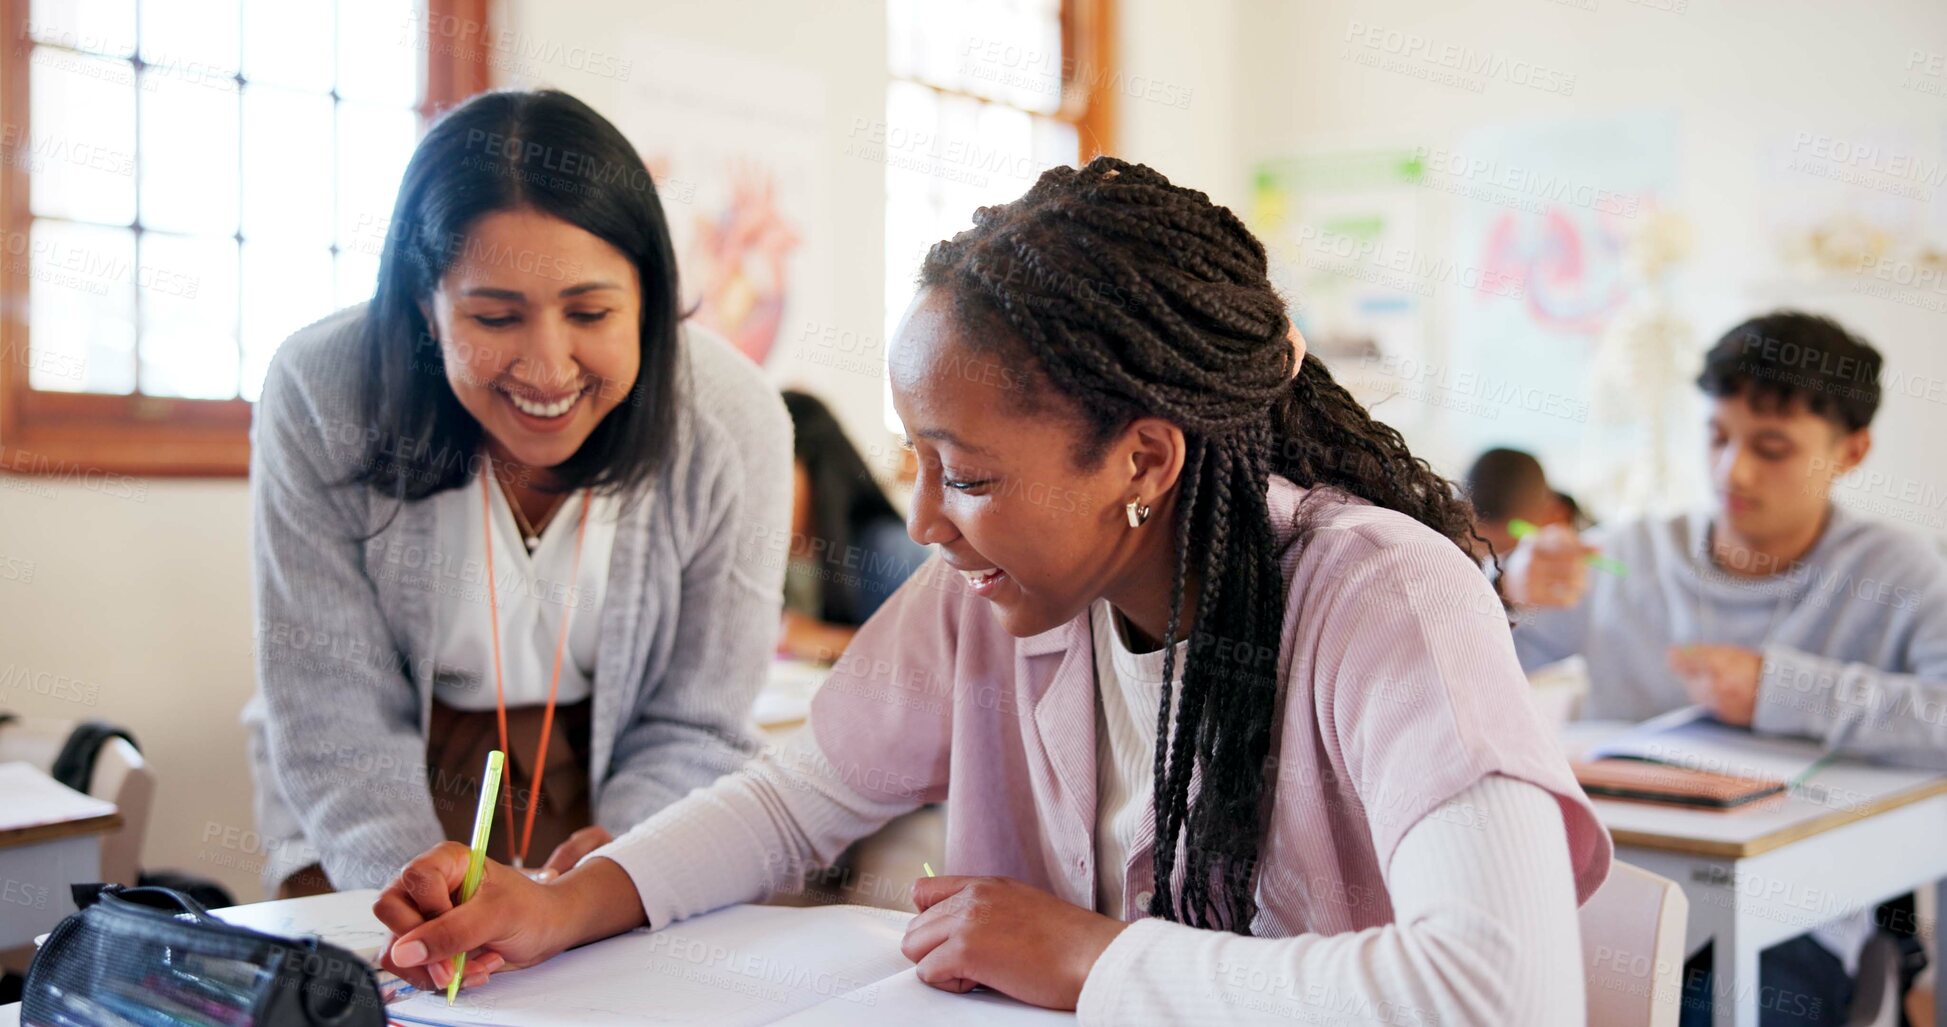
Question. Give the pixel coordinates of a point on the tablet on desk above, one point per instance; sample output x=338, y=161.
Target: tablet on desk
x=1641, y=780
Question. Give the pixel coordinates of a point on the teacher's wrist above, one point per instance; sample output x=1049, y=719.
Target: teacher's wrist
x=601, y=899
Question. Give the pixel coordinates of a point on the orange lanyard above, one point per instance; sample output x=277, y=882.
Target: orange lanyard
x=500, y=687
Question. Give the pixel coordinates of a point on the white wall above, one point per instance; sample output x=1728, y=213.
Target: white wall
x=1745, y=84
x=138, y=613
x=1177, y=108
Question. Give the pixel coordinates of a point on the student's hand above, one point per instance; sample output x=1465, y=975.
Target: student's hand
x=571, y=850
x=1548, y=568
x=1723, y=678
x=1011, y=937
x=511, y=922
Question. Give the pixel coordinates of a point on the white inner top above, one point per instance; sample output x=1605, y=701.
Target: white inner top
x=1128, y=687
x=535, y=591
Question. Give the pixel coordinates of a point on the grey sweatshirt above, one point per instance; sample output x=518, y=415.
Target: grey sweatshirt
x=1854, y=635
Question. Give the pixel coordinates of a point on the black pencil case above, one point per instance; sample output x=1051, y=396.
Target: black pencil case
x=154, y=957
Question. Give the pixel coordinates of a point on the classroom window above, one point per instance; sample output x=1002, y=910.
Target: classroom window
x=985, y=95
x=183, y=184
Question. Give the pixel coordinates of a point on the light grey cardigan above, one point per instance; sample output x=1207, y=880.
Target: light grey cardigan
x=345, y=627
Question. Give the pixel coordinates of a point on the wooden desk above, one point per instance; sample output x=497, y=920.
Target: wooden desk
x=50, y=837
x=1760, y=876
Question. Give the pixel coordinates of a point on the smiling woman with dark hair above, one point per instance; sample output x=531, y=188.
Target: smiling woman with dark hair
x=510, y=503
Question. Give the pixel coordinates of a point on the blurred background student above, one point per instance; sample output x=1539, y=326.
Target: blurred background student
x=1506, y=485
x=1773, y=607
x=849, y=547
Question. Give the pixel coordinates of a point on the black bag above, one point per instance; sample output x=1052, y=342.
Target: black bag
x=152, y=957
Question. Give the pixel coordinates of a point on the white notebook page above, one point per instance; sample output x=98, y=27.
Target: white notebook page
x=742, y=965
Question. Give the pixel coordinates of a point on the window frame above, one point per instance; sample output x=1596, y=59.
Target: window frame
x=1088, y=104
x=63, y=433
x=1087, y=32
x=1090, y=26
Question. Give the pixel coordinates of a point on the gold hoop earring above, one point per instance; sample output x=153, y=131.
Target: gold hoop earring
x=1138, y=513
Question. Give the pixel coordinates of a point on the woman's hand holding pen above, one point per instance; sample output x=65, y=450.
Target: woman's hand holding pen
x=1011, y=937
x=511, y=922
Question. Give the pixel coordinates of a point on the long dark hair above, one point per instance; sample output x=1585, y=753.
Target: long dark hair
x=499, y=151
x=1130, y=296
x=845, y=500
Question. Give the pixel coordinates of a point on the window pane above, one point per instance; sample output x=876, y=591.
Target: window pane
x=905, y=29
x=81, y=308
x=1008, y=50
x=1056, y=142
x=287, y=165
x=374, y=144
x=379, y=46
x=945, y=155
x=996, y=156
x=189, y=155
x=912, y=136
x=80, y=147
x=284, y=289
x=96, y=26
x=912, y=227
x=356, y=279
x=189, y=316
x=193, y=40
x=288, y=44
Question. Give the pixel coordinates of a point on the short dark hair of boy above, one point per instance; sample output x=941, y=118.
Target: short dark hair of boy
x=1501, y=479
x=1788, y=356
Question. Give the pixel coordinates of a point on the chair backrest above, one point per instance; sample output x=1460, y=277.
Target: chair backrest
x=1632, y=949
x=122, y=777
x=35, y=740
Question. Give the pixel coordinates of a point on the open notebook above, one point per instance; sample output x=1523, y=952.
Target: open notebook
x=737, y=966
x=1690, y=740
x=1686, y=758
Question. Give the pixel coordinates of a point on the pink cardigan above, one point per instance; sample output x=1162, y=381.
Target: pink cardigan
x=1400, y=686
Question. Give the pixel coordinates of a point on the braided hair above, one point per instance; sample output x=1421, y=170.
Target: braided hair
x=1133, y=297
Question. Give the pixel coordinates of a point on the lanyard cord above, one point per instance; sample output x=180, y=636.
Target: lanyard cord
x=500, y=688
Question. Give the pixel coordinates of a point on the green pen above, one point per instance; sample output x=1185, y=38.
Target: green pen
x=476, y=862
x=1806, y=775
x=1518, y=528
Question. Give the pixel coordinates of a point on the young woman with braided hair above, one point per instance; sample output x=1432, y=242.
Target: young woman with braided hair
x=1157, y=519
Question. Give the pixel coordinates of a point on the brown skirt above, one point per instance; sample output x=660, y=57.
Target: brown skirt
x=456, y=752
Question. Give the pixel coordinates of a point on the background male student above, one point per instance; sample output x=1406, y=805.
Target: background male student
x=1773, y=607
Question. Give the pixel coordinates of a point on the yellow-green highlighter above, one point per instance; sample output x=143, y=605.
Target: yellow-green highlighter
x=476, y=863
x=1518, y=528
